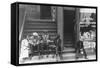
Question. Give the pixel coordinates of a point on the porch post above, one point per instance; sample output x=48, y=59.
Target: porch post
x=77, y=24
x=60, y=23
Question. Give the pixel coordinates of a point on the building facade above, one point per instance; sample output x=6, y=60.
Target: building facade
x=71, y=23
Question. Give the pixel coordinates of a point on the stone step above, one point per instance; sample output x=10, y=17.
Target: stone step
x=40, y=33
x=40, y=27
x=69, y=55
x=39, y=20
x=68, y=44
x=40, y=24
x=38, y=30
x=68, y=50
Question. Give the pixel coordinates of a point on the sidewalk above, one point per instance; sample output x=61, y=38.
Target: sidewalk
x=66, y=57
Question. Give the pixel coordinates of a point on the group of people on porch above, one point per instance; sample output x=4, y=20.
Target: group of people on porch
x=39, y=43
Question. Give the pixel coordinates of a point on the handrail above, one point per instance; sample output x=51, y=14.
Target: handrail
x=21, y=32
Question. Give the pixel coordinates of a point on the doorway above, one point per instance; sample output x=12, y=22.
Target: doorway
x=69, y=22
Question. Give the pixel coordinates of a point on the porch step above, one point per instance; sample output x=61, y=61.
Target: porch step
x=69, y=56
x=68, y=45
x=32, y=25
x=69, y=50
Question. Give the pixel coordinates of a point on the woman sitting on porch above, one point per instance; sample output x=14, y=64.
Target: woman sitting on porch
x=24, y=49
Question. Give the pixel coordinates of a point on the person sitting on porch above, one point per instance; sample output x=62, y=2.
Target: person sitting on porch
x=24, y=49
x=57, y=42
x=45, y=42
x=33, y=42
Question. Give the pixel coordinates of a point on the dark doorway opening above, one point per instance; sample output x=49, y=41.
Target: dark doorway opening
x=69, y=22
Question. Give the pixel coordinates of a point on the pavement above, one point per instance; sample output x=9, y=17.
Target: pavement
x=50, y=58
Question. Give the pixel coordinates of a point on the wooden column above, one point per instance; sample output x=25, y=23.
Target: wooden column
x=60, y=23
x=77, y=23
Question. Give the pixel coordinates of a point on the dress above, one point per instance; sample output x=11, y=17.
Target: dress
x=24, y=48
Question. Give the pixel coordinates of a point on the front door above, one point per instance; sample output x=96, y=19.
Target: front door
x=69, y=23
